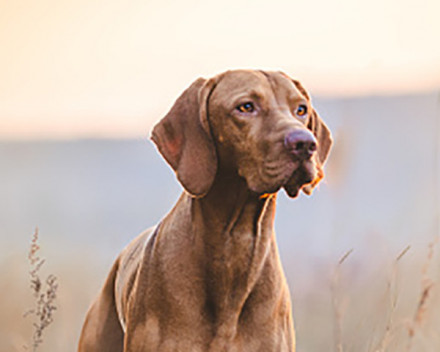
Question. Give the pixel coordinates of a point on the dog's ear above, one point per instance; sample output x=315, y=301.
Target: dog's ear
x=318, y=127
x=324, y=138
x=184, y=139
x=322, y=135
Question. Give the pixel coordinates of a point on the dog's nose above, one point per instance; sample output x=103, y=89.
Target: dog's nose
x=301, y=143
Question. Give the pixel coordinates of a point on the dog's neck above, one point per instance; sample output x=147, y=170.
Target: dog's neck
x=230, y=208
x=236, y=232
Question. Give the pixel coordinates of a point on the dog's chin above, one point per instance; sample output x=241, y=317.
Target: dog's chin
x=302, y=176
x=298, y=176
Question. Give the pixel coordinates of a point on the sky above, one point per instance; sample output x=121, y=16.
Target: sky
x=88, y=68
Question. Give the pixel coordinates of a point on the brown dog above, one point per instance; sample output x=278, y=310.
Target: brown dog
x=208, y=277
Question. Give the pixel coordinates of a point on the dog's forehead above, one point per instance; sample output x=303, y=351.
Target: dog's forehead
x=284, y=84
x=232, y=82
x=239, y=82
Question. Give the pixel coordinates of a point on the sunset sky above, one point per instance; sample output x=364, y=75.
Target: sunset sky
x=88, y=68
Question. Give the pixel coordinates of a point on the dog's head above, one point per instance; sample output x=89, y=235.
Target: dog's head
x=258, y=124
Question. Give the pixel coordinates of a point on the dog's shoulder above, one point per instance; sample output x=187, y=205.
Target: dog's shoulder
x=129, y=262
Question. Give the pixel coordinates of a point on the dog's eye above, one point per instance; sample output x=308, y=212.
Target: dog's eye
x=246, y=107
x=301, y=111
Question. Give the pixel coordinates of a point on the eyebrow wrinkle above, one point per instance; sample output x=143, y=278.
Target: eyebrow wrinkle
x=296, y=100
x=272, y=85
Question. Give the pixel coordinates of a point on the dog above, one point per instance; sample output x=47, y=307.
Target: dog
x=208, y=277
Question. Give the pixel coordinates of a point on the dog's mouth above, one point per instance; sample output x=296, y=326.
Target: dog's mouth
x=305, y=177
x=293, y=176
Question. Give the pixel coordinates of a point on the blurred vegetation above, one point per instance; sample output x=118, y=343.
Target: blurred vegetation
x=44, y=292
x=351, y=305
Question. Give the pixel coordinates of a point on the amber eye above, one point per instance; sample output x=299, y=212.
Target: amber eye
x=246, y=107
x=301, y=111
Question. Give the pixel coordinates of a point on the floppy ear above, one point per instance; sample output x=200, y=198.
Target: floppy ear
x=322, y=135
x=184, y=139
x=324, y=138
x=318, y=127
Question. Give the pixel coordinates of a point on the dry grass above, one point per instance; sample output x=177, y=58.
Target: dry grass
x=402, y=330
x=79, y=281
x=387, y=303
x=337, y=303
x=416, y=325
x=44, y=293
x=392, y=293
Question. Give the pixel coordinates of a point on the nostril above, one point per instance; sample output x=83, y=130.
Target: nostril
x=313, y=146
x=301, y=143
x=299, y=146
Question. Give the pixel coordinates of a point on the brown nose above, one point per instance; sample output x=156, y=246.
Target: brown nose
x=301, y=143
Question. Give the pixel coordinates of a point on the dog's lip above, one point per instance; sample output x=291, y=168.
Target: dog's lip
x=292, y=191
x=291, y=175
x=300, y=177
x=280, y=170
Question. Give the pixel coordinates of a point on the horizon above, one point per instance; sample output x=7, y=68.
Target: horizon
x=82, y=69
x=68, y=136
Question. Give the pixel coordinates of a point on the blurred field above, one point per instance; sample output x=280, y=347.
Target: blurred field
x=381, y=194
x=364, y=294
